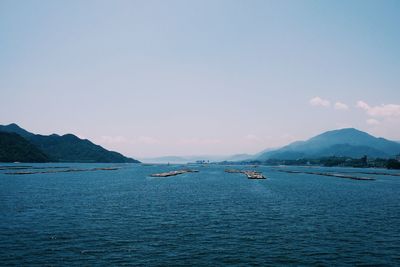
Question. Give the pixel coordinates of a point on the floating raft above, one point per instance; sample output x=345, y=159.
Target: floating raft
x=379, y=173
x=338, y=175
x=68, y=170
x=249, y=174
x=172, y=173
x=12, y=168
x=233, y=171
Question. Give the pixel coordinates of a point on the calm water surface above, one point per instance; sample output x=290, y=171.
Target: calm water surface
x=125, y=217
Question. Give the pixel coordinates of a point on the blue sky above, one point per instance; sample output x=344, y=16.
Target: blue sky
x=153, y=78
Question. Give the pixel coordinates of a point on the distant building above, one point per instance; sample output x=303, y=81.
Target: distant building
x=398, y=157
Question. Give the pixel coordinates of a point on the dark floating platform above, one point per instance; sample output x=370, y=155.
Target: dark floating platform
x=11, y=168
x=380, y=173
x=56, y=171
x=338, y=175
x=172, y=173
x=249, y=174
x=15, y=167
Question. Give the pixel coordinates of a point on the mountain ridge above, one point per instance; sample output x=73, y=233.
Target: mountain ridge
x=348, y=142
x=68, y=147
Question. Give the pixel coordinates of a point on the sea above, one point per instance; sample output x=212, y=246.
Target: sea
x=125, y=217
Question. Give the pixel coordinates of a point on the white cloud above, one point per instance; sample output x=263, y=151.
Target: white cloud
x=320, y=102
x=363, y=105
x=341, y=106
x=373, y=122
x=383, y=111
x=317, y=101
x=387, y=116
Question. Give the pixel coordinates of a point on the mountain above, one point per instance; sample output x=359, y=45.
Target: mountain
x=68, y=147
x=15, y=148
x=257, y=155
x=166, y=159
x=14, y=128
x=347, y=142
x=239, y=157
x=194, y=158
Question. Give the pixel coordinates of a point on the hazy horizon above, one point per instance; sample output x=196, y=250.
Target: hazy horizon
x=179, y=78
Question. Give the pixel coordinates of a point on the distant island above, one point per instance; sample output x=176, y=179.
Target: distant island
x=344, y=147
x=196, y=158
x=363, y=162
x=19, y=145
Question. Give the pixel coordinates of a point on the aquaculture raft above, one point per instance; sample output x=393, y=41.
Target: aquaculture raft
x=249, y=174
x=172, y=173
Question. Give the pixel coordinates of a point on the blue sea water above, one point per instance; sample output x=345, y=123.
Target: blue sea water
x=209, y=218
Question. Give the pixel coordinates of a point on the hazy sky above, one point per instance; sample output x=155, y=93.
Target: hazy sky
x=152, y=78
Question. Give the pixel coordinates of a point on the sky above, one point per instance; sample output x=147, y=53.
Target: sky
x=155, y=78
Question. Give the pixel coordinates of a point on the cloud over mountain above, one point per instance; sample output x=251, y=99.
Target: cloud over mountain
x=318, y=101
x=383, y=111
